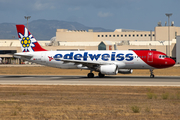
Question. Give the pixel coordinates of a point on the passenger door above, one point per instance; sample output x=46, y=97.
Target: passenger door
x=150, y=57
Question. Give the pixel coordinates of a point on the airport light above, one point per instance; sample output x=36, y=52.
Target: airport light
x=27, y=17
x=168, y=15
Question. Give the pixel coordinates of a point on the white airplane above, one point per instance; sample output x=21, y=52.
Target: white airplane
x=103, y=61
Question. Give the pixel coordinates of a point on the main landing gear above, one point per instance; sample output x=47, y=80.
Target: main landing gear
x=91, y=75
x=152, y=74
x=101, y=75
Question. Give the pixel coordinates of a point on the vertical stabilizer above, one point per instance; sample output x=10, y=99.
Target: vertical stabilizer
x=27, y=41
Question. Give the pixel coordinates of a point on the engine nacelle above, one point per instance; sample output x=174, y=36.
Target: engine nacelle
x=125, y=71
x=109, y=69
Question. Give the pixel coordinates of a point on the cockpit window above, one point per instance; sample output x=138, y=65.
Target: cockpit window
x=162, y=56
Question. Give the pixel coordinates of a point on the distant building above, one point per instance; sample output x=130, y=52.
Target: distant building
x=160, y=33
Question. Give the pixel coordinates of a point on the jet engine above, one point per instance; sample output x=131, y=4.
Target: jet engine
x=108, y=69
x=125, y=71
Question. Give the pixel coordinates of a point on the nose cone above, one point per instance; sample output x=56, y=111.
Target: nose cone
x=173, y=62
x=170, y=62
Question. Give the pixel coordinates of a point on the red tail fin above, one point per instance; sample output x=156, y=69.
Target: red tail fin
x=27, y=41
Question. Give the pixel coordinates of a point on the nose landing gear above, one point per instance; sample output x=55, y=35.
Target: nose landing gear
x=152, y=74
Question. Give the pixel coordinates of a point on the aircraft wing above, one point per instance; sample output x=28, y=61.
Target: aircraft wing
x=28, y=56
x=84, y=63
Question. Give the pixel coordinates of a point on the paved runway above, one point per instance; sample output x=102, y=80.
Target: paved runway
x=82, y=80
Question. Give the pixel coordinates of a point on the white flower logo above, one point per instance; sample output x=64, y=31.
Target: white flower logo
x=27, y=41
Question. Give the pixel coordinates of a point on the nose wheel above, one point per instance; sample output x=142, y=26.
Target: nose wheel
x=152, y=74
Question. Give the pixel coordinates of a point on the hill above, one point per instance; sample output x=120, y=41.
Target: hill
x=45, y=29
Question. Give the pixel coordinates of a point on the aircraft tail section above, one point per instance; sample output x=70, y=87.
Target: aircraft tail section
x=27, y=41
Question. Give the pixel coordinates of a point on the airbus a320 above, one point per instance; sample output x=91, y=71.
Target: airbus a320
x=103, y=61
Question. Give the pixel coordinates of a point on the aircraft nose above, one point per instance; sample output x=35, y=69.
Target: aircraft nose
x=171, y=62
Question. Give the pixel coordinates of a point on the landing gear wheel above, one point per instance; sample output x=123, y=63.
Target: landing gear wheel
x=101, y=75
x=152, y=75
x=90, y=75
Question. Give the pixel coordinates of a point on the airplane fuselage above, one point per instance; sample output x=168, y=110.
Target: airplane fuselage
x=124, y=59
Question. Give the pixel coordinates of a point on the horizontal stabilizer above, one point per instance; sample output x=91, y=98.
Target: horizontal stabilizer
x=28, y=56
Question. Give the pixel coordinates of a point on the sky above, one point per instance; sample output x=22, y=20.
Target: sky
x=109, y=14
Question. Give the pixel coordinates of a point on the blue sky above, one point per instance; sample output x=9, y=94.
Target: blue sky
x=109, y=14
